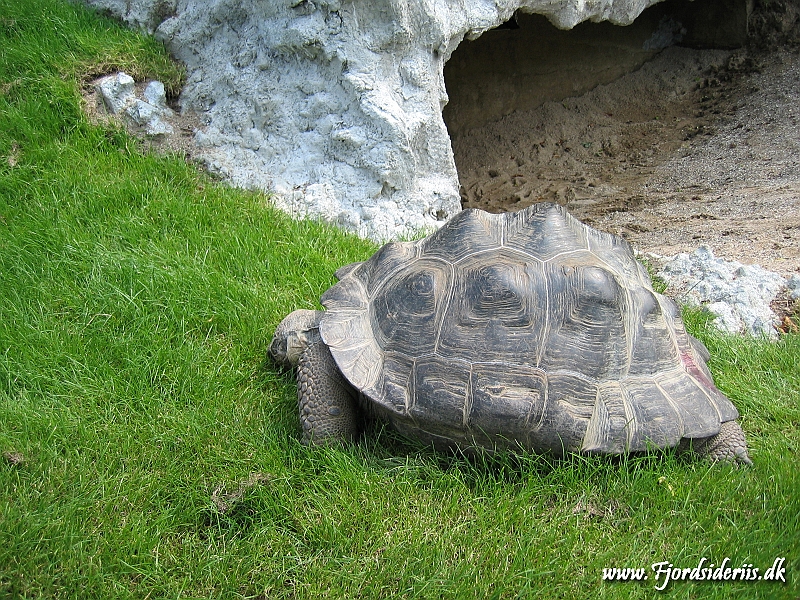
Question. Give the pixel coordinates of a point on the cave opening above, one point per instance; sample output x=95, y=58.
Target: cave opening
x=509, y=87
x=528, y=61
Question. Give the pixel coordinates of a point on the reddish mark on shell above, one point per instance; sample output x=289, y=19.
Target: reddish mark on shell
x=695, y=371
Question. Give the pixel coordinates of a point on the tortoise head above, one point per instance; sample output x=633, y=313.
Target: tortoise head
x=295, y=333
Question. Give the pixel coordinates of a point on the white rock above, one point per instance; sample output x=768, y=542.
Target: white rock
x=117, y=91
x=794, y=287
x=155, y=95
x=347, y=97
x=738, y=295
x=157, y=127
x=141, y=112
x=119, y=96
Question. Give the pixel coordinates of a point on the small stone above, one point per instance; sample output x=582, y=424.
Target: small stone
x=157, y=127
x=117, y=91
x=141, y=112
x=155, y=94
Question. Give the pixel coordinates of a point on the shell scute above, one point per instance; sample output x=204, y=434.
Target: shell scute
x=470, y=231
x=611, y=423
x=391, y=393
x=440, y=397
x=701, y=408
x=506, y=402
x=653, y=348
x=569, y=407
x=348, y=294
x=391, y=258
x=496, y=311
x=406, y=312
x=544, y=231
x=350, y=338
x=657, y=423
x=586, y=322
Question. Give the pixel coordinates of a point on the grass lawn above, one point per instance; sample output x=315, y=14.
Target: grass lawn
x=149, y=451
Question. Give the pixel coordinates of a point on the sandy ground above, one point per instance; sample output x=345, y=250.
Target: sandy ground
x=696, y=147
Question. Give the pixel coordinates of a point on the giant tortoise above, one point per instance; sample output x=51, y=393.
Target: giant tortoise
x=525, y=331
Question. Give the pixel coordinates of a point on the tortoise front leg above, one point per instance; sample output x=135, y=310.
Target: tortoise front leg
x=328, y=407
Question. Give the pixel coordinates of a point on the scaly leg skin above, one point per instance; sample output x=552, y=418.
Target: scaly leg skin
x=328, y=407
x=728, y=445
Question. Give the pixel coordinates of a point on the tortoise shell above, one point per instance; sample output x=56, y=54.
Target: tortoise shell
x=521, y=330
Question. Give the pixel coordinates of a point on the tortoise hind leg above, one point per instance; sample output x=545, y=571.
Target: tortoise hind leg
x=728, y=445
x=328, y=407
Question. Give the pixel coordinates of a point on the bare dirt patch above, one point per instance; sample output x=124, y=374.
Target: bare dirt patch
x=695, y=147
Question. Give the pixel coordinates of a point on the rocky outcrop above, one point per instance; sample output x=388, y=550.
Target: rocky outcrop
x=336, y=106
x=738, y=296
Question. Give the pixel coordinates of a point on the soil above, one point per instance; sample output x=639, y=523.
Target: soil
x=695, y=147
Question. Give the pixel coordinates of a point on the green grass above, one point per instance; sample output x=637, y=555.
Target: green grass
x=159, y=451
